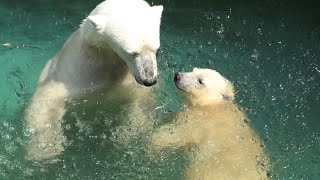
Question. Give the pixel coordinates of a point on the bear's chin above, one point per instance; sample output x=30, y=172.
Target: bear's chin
x=196, y=100
x=147, y=83
x=181, y=87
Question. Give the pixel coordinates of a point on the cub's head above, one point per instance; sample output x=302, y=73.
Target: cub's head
x=204, y=87
x=132, y=29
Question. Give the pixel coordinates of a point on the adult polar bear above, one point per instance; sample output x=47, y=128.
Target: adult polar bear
x=118, y=39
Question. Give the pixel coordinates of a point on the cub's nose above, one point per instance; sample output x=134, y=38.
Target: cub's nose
x=176, y=77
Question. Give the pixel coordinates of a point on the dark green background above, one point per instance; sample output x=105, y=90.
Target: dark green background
x=269, y=49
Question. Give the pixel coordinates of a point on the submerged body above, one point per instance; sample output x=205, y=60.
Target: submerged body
x=224, y=145
x=114, y=48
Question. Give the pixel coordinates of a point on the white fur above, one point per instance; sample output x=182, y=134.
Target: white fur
x=131, y=30
x=225, y=147
x=118, y=37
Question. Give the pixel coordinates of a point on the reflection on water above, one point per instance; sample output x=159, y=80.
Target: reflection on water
x=270, y=50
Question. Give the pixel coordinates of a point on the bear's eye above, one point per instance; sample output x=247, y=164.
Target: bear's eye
x=134, y=54
x=201, y=81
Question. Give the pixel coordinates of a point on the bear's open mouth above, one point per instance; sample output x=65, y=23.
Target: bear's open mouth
x=180, y=87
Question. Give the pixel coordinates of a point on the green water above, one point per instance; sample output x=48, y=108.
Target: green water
x=270, y=50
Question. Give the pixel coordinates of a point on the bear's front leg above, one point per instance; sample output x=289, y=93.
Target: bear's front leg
x=139, y=122
x=172, y=135
x=44, y=121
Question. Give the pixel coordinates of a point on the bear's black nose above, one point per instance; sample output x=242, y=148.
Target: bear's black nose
x=176, y=77
x=149, y=83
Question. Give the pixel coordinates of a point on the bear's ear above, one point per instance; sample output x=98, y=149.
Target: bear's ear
x=227, y=97
x=157, y=11
x=228, y=92
x=98, y=21
x=195, y=69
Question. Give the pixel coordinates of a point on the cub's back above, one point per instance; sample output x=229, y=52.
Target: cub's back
x=227, y=145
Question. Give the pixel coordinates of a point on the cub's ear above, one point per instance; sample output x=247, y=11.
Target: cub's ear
x=98, y=21
x=157, y=11
x=228, y=98
x=228, y=93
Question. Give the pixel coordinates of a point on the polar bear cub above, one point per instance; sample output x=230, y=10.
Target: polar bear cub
x=225, y=147
x=115, y=46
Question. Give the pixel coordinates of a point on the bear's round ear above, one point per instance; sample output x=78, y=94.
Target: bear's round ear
x=227, y=97
x=157, y=11
x=228, y=93
x=195, y=69
x=97, y=20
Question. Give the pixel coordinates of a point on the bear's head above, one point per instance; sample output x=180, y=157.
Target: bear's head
x=204, y=87
x=132, y=29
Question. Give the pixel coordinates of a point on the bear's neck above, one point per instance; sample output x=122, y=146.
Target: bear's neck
x=89, y=33
x=95, y=40
x=206, y=101
x=107, y=63
x=209, y=108
x=89, y=66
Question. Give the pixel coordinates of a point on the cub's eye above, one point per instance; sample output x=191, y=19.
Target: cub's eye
x=134, y=54
x=201, y=81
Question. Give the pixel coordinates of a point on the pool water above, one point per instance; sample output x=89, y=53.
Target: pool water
x=270, y=50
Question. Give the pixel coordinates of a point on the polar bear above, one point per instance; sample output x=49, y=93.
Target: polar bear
x=225, y=147
x=114, y=47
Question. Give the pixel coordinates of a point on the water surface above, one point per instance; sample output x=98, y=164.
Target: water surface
x=270, y=50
